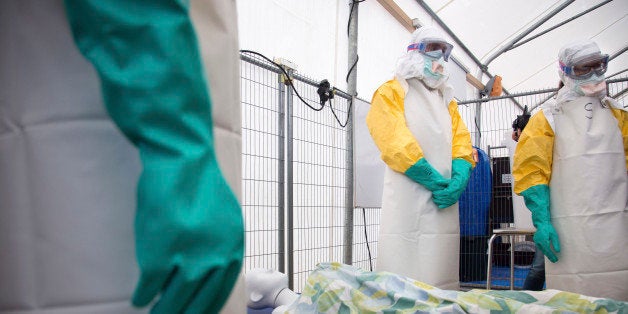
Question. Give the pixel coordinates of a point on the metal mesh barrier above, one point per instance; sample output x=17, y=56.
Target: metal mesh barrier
x=296, y=168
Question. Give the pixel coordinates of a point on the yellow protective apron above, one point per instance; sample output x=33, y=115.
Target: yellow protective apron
x=416, y=239
x=589, y=195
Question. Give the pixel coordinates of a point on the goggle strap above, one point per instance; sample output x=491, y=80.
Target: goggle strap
x=564, y=68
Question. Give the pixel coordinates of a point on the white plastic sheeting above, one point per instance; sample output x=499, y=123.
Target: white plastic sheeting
x=68, y=176
x=368, y=179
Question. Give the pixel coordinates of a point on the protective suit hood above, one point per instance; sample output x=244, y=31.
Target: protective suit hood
x=413, y=63
x=574, y=88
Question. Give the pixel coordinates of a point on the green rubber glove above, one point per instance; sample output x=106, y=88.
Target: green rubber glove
x=423, y=173
x=460, y=173
x=189, y=230
x=537, y=199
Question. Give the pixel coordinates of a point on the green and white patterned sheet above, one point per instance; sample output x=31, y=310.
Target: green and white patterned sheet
x=339, y=288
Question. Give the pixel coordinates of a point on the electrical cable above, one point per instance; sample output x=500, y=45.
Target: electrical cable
x=287, y=76
x=348, y=113
x=366, y=237
x=477, y=128
x=348, y=28
x=351, y=13
x=324, y=89
x=355, y=63
x=324, y=93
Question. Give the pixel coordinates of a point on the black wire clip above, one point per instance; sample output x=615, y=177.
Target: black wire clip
x=325, y=92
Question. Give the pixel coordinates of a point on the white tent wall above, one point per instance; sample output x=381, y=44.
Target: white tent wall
x=312, y=34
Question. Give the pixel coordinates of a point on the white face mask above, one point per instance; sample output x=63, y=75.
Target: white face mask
x=595, y=86
x=433, y=72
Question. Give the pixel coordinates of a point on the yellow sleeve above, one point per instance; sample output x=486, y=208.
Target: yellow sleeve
x=622, y=121
x=461, y=143
x=534, y=153
x=387, y=125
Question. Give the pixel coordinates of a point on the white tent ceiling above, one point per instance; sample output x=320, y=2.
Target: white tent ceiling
x=313, y=35
x=487, y=26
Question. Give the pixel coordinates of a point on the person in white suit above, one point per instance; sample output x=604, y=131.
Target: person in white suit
x=570, y=167
x=415, y=123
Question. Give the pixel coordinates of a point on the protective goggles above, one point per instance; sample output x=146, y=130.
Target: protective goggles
x=585, y=67
x=429, y=45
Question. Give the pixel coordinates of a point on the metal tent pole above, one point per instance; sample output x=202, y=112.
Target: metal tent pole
x=351, y=89
x=290, y=181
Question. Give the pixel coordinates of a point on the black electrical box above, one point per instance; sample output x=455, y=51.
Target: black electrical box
x=501, y=202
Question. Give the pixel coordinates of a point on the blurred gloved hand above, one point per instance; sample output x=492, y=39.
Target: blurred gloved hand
x=189, y=236
x=460, y=173
x=423, y=173
x=189, y=230
x=537, y=199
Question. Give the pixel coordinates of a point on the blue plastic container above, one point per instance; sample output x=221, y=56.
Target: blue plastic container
x=476, y=199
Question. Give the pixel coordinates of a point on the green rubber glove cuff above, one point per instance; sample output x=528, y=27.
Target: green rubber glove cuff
x=423, y=173
x=189, y=229
x=537, y=199
x=460, y=174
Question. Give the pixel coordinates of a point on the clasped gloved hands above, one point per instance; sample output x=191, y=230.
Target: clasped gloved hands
x=460, y=173
x=423, y=173
x=537, y=199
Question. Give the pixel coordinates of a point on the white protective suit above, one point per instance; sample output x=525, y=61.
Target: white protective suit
x=576, y=146
x=410, y=122
x=68, y=176
x=589, y=202
x=416, y=239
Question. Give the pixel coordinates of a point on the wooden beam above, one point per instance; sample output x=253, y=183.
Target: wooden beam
x=475, y=82
x=397, y=13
